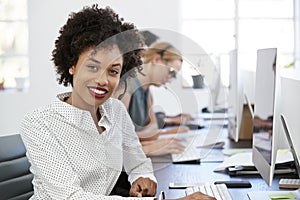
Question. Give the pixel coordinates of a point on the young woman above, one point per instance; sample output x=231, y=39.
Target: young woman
x=161, y=63
x=78, y=145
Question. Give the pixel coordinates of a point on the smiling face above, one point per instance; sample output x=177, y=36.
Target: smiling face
x=95, y=77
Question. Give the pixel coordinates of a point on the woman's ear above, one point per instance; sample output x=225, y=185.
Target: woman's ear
x=72, y=70
x=156, y=58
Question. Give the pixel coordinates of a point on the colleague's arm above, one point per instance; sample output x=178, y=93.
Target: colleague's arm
x=151, y=130
x=179, y=119
x=163, y=146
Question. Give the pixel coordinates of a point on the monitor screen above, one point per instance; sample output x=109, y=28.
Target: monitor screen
x=264, y=152
x=235, y=97
x=290, y=114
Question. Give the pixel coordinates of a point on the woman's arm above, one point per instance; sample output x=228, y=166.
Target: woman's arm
x=151, y=130
x=136, y=164
x=163, y=146
x=179, y=119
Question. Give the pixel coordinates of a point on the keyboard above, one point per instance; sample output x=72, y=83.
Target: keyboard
x=219, y=191
x=289, y=183
x=190, y=154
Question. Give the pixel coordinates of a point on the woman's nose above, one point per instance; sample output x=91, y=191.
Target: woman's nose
x=102, y=78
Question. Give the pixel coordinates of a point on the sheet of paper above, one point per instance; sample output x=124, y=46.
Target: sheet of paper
x=239, y=159
x=283, y=156
x=230, y=152
x=265, y=195
x=213, y=116
x=245, y=159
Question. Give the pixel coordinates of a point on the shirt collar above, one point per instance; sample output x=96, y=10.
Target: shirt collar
x=106, y=113
x=77, y=116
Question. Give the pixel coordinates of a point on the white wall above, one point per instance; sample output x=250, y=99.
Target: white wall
x=175, y=99
x=45, y=19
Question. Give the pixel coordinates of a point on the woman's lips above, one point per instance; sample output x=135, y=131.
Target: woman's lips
x=98, y=92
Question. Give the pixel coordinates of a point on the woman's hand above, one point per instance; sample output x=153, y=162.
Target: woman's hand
x=143, y=187
x=186, y=117
x=181, y=129
x=163, y=147
x=197, y=195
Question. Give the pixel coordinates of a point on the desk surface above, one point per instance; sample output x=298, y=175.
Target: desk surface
x=180, y=173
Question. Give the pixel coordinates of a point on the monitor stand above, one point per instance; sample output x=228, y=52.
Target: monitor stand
x=284, y=182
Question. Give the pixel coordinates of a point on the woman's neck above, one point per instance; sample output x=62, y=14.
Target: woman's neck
x=93, y=110
x=96, y=116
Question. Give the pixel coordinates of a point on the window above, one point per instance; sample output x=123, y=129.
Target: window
x=220, y=26
x=263, y=24
x=14, y=62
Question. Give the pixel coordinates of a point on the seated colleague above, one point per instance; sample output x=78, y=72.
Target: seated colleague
x=163, y=119
x=79, y=144
x=161, y=62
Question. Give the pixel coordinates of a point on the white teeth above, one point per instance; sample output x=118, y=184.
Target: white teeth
x=97, y=91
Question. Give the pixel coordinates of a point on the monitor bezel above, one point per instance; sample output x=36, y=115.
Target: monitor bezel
x=235, y=97
x=266, y=169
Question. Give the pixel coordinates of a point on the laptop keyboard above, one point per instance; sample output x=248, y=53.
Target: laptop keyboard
x=219, y=191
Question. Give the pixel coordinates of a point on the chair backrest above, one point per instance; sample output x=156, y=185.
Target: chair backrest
x=15, y=178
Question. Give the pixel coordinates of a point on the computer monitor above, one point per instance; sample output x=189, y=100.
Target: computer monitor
x=290, y=114
x=235, y=97
x=266, y=114
x=249, y=107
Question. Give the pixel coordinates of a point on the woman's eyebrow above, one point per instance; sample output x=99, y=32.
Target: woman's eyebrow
x=115, y=65
x=94, y=60
x=97, y=61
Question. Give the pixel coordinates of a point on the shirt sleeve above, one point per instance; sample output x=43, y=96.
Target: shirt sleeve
x=136, y=163
x=53, y=174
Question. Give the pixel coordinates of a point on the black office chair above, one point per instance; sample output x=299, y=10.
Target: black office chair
x=15, y=178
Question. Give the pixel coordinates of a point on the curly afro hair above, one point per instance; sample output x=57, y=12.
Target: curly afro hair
x=87, y=29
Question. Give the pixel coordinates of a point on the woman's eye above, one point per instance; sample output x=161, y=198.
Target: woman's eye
x=114, y=72
x=94, y=68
